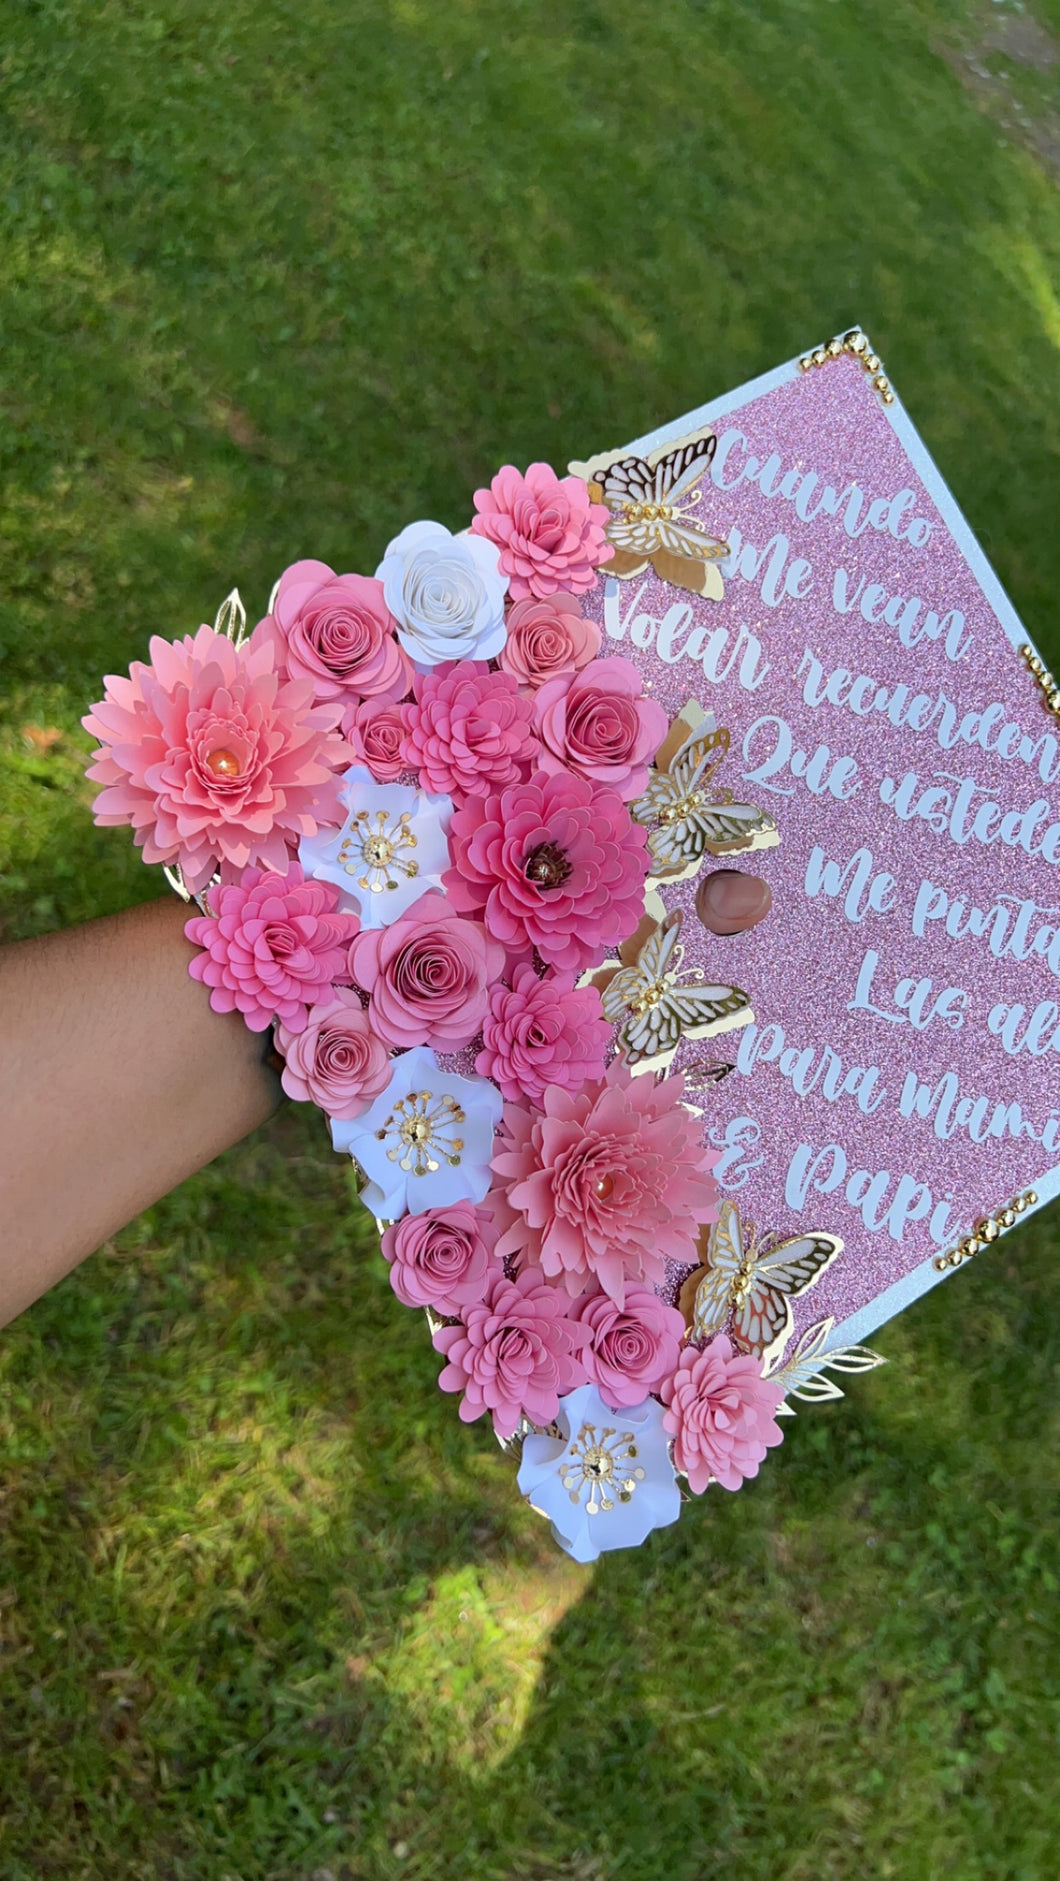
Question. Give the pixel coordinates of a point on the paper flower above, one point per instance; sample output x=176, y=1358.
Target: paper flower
x=376, y=732
x=446, y=593
x=468, y=730
x=599, y=724
x=515, y=1351
x=607, y=1480
x=428, y=975
x=555, y=864
x=337, y=631
x=548, y=638
x=607, y=1183
x=389, y=851
x=721, y=1415
x=632, y=1348
x=337, y=1061
x=212, y=758
x=550, y=534
x=443, y=1258
x=540, y=1032
x=426, y=1141
x=273, y=944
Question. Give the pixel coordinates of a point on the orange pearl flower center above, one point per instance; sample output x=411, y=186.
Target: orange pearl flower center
x=603, y=1187
x=222, y=762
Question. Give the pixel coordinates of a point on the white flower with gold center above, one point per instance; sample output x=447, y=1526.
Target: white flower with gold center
x=391, y=848
x=426, y=1141
x=606, y=1480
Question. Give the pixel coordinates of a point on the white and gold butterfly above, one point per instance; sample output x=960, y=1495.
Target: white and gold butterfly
x=746, y=1285
x=650, y=499
x=654, y=1008
x=686, y=815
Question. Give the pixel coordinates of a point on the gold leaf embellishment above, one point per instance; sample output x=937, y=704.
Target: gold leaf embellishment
x=803, y=1371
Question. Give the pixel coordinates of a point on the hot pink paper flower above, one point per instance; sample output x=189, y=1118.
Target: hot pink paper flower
x=376, y=731
x=632, y=1349
x=337, y=1062
x=428, y=975
x=548, y=638
x=722, y=1415
x=556, y=864
x=599, y=724
x=540, y=1032
x=468, y=730
x=212, y=758
x=515, y=1352
x=273, y=946
x=443, y=1259
x=608, y=1183
x=550, y=534
x=337, y=631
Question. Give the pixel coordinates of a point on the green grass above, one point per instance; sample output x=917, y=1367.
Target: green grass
x=275, y=278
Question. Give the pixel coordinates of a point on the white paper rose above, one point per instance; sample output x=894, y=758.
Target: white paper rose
x=607, y=1481
x=446, y=593
x=427, y=1140
x=390, y=850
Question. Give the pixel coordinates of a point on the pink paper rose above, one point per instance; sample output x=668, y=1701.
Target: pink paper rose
x=599, y=724
x=337, y=1062
x=376, y=731
x=722, y=1415
x=214, y=759
x=428, y=975
x=516, y=1351
x=273, y=946
x=606, y=1184
x=549, y=533
x=337, y=631
x=443, y=1258
x=468, y=730
x=540, y=1032
x=555, y=863
x=548, y=638
x=632, y=1349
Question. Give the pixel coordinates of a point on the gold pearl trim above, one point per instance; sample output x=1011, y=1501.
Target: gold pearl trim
x=1050, y=686
x=857, y=344
x=987, y=1229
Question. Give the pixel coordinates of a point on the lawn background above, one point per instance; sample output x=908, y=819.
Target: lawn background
x=276, y=278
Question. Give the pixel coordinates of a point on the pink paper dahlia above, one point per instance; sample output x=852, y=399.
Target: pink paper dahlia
x=542, y=1031
x=549, y=532
x=272, y=947
x=442, y=1258
x=605, y=1184
x=428, y=975
x=599, y=724
x=337, y=631
x=468, y=730
x=212, y=758
x=633, y=1349
x=556, y=864
x=722, y=1415
x=337, y=1062
x=515, y=1351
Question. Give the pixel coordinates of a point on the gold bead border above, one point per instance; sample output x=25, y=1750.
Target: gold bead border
x=855, y=343
x=1050, y=687
x=988, y=1229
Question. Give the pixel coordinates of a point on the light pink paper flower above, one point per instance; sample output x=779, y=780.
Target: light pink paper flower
x=273, y=946
x=515, y=1352
x=550, y=534
x=468, y=730
x=608, y=1183
x=540, y=1032
x=556, y=864
x=428, y=975
x=599, y=724
x=337, y=631
x=548, y=638
x=633, y=1348
x=443, y=1259
x=212, y=758
x=376, y=731
x=722, y=1415
x=337, y=1062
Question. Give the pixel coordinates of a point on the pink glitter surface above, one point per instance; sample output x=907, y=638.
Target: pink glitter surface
x=801, y=967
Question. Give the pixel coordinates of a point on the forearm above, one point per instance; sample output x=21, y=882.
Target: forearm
x=116, y=1082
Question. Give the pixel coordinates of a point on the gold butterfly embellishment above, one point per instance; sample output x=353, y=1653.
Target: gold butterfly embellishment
x=650, y=500
x=654, y=1007
x=683, y=811
x=746, y=1283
